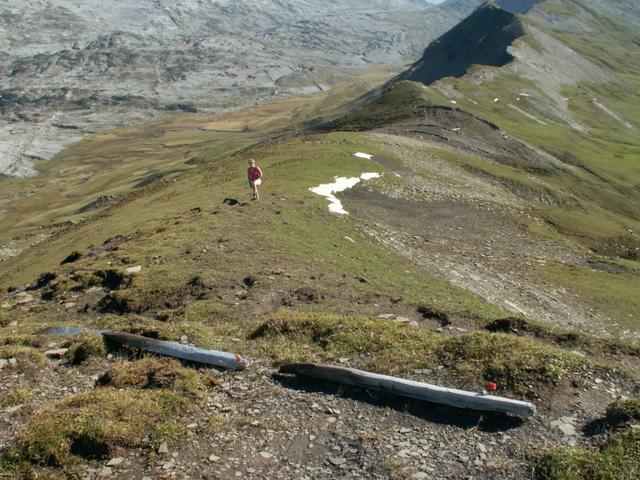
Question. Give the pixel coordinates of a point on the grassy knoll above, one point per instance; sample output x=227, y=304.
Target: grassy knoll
x=96, y=424
x=290, y=228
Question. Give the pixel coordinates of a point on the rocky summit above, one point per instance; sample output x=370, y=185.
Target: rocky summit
x=436, y=277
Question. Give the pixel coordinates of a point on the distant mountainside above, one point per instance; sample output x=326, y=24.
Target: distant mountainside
x=68, y=67
x=551, y=47
x=500, y=83
x=483, y=38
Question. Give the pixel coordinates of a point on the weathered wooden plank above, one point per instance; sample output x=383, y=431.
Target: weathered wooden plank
x=412, y=389
x=177, y=350
x=63, y=331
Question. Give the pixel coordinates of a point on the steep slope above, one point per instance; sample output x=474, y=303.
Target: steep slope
x=483, y=38
x=497, y=246
x=551, y=117
x=287, y=280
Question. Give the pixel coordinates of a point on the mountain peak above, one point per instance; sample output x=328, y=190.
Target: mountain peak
x=482, y=38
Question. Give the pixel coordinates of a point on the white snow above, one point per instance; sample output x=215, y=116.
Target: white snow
x=453, y=101
x=496, y=100
x=340, y=185
x=369, y=176
x=363, y=155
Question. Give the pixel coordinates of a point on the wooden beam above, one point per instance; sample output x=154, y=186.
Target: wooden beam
x=177, y=350
x=412, y=389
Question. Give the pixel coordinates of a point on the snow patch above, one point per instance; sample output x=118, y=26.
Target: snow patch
x=340, y=185
x=611, y=113
x=363, y=155
x=369, y=176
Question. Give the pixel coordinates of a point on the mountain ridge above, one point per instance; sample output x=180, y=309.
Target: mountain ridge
x=489, y=243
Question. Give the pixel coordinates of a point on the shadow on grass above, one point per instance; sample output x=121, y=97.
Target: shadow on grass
x=431, y=412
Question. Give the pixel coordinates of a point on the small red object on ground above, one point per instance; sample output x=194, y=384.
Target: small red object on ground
x=492, y=387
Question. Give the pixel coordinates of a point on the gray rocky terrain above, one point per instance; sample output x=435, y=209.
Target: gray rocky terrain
x=72, y=66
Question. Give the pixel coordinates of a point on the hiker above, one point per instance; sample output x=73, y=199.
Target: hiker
x=255, y=178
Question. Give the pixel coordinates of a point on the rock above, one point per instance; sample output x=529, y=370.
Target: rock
x=266, y=455
x=115, y=462
x=105, y=472
x=337, y=461
x=568, y=429
x=386, y=316
x=26, y=299
x=419, y=476
x=214, y=458
x=12, y=361
x=163, y=448
x=56, y=353
x=13, y=409
x=3, y=363
x=136, y=269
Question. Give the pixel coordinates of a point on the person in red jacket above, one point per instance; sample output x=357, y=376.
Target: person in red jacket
x=254, y=174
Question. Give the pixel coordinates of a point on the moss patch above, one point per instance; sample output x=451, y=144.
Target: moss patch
x=623, y=411
x=618, y=458
x=22, y=353
x=94, y=425
x=15, y=396
x=154, y=373
x=86, y=347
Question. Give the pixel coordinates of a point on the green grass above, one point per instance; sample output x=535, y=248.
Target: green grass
x=616, y=456
x=297, y=233
x=521, y=366
x=95, y=425
x=616, y=293
x=22, y=353
x=623, y=411
x=15, y=396
x=85, y=347
x=157, y=373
